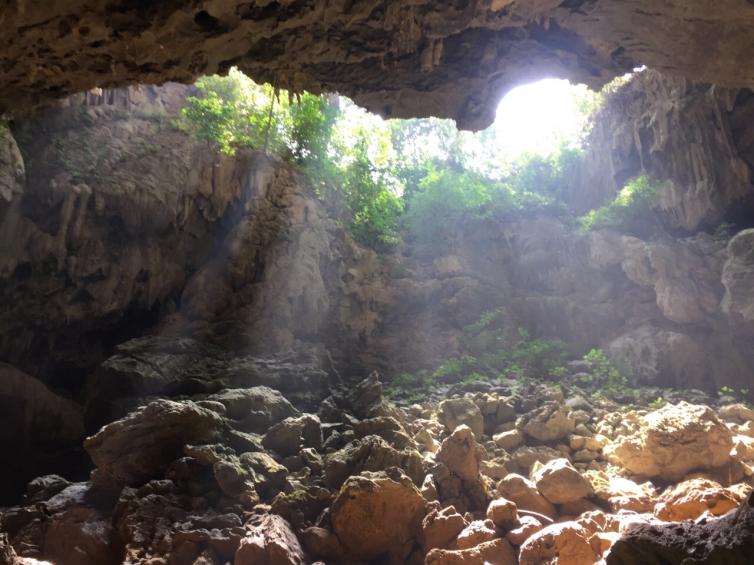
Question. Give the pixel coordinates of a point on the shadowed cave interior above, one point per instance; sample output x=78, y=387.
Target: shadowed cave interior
x=377, y=283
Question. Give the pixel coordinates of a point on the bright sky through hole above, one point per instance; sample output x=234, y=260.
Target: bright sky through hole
x=537, y=117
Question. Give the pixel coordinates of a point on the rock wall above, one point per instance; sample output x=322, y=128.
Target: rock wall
x=115, y=225
x=400, y=59
x=694, y=136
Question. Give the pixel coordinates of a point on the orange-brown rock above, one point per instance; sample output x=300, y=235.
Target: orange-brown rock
x=690, y=499
x=376, y=514
x=271, y=542
x=566, y=542
x=441, y=527
x=496, y=552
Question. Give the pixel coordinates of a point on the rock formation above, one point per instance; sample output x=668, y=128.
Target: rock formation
x=417, y=59
x=192, y=481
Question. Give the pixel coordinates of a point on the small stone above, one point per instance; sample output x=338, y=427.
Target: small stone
x=559, y=482
x=503, y=513
x=478, y=531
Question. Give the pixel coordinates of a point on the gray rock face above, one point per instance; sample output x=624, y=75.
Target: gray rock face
x=40, y=427
x=738, y=277
x=400, y=61
x=140, y=446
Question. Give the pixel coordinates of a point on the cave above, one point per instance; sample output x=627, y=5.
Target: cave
x=366, y=282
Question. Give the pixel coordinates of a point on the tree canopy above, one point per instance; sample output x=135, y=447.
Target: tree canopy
x=411, y=178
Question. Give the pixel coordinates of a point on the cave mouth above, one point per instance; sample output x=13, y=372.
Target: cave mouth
x=266, y=308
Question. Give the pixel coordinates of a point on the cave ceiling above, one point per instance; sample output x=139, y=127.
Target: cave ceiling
x=403, y=58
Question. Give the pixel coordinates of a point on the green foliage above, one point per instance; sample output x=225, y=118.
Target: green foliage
x=376, y=209
x=603, y=375
x=739, y=395
x=657, y=403
x=449, y=197
x=233, y=112
x=630, y=210
x=535, y=358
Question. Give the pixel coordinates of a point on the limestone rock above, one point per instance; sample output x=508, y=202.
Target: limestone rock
x=260, y=406
x=370, y=453
x=141, y=445
x=460, y=453
x=559, y=482
x=528, y=526
x=551, y=422
x=674, y=440
x=496, y=552
x=319, y=542
x=738, y=412
x=477, y=532
x=567, y=542
x=525, y=494
x=690, y=499
x=272, y=542
x=376, y=514
x=455, y=412
x=12, y=170
x=509, y=440
x=725, y=540
x=441, y=527
x=738, y=277
x=80, y=536
x=503, y=513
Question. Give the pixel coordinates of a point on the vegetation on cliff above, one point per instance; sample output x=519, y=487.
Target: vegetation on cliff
x=411, y=177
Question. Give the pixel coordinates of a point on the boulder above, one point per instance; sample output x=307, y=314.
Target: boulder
x=524, y=493
x=503, y=513
x=319, y=542
x=509, y=440
x=559, y=482
x=378, y=514
x=672, y=441
x=690, y=499
x=566, y=542
x=461, y=454
x=523, y=459
x=726, y=540
x=548, y=423
x=441, y=527
x=286, y=437
x=527, y=527
x=371, y=453
x=141, y=445
x=271, y=542
x=496, y=552
x=258, y=407
x=478, y=531
x=80, y=536
x=454, y=412
x=738, y=413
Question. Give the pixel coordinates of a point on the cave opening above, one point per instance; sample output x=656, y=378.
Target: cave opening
x=248, y=320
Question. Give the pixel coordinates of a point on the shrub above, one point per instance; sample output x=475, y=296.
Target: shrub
x=603, y=374
x=631, y=210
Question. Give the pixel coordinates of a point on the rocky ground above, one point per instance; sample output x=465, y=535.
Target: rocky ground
x=512, y=473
